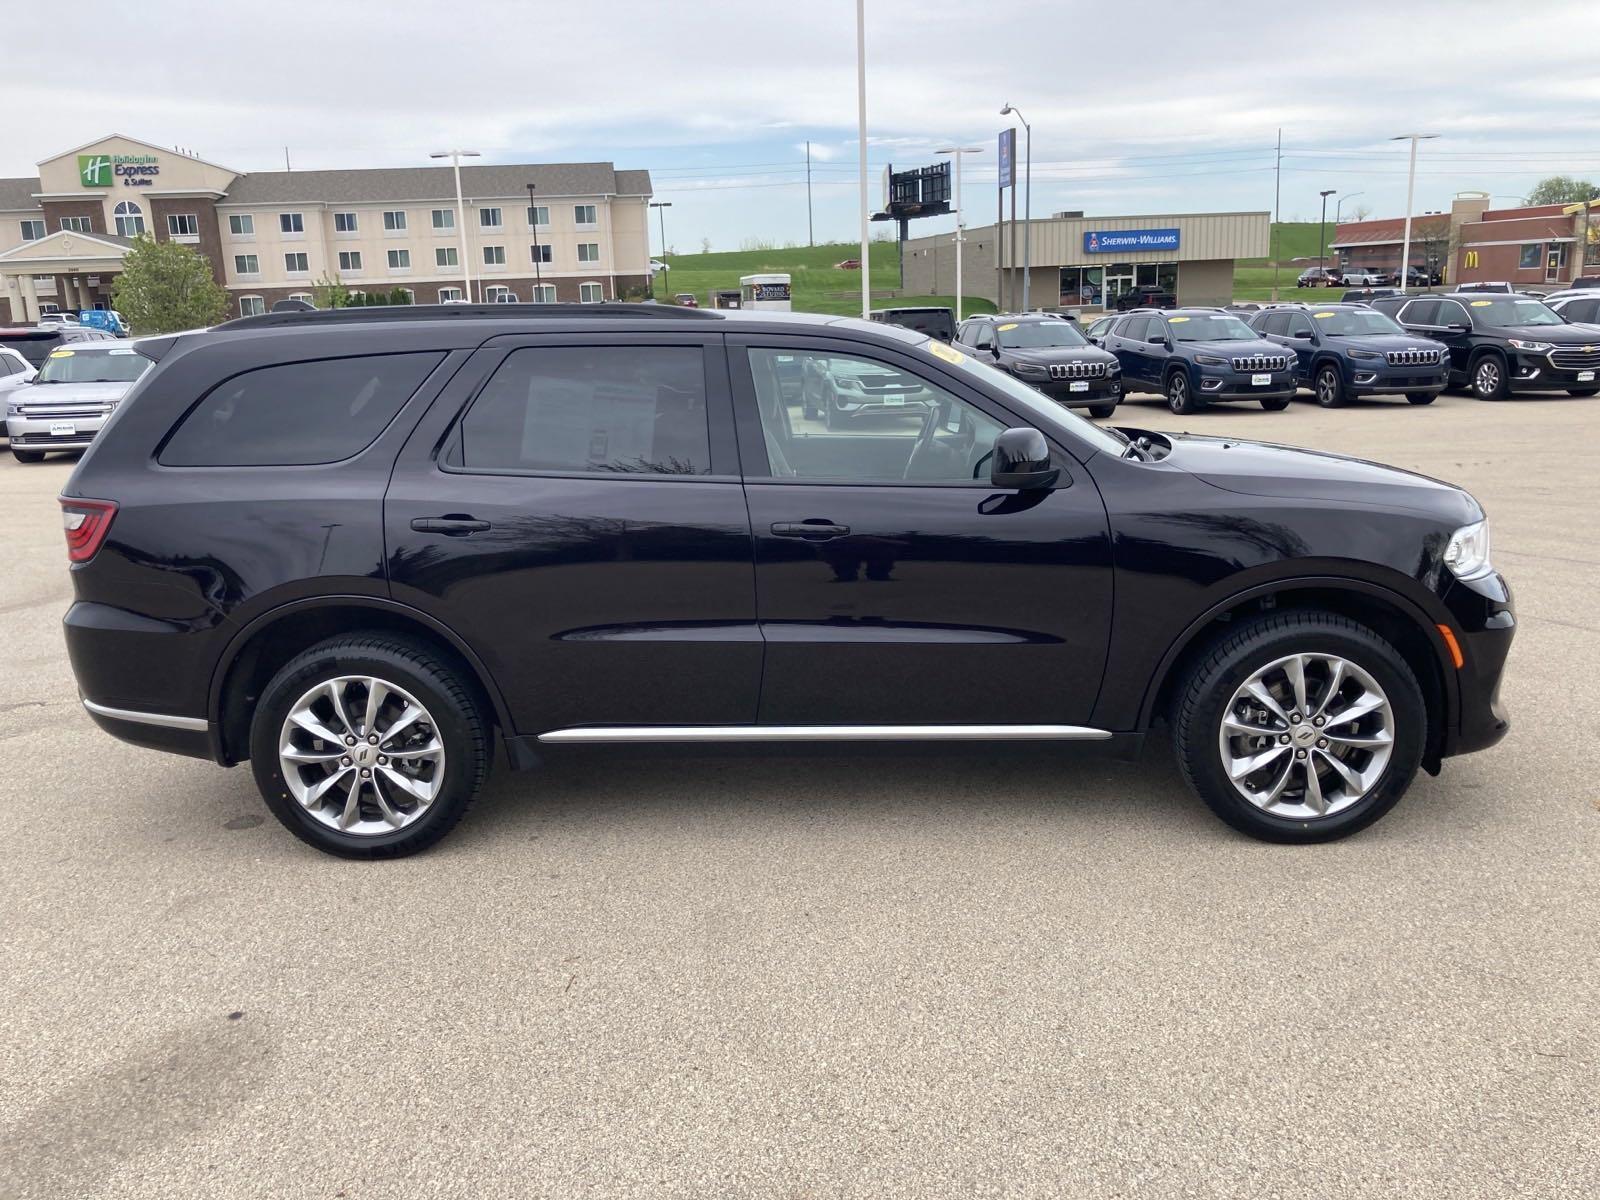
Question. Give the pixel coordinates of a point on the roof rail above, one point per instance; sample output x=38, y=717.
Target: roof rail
x=470, y=312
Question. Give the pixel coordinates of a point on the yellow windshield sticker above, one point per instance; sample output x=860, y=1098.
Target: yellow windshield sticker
x=1177, y=320
x=1004, y=328
x=1323, y=316
x=1482, y=303
x=949, y=353
x=61, y=354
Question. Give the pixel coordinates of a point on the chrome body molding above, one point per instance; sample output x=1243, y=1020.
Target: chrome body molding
x=824, y=733
x=198, y=724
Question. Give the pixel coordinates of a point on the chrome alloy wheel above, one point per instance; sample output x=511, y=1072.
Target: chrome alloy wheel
x=1306, y=736
x=361, y=755
x=1486, y=378
x=1327, y=389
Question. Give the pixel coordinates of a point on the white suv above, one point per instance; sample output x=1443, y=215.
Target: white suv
x=65, y=404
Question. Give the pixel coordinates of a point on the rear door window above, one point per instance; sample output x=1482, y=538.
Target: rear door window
x=297, y=414
x=593, y=410
x=1420, y=312
x=33, y=347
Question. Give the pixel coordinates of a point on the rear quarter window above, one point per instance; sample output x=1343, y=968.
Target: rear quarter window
x=297, y=414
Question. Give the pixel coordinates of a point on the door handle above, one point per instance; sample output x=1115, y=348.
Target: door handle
x=452, y=525
x=812, y=530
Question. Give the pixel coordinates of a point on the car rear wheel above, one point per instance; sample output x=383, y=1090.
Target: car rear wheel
x=1489, y=378
x=1102, y=411
x=1329, y=386
x=1275, y=403
x=1179, y=398
x=1300, y=726
x=1421, y=397
x=368, y=746
x=27, y=456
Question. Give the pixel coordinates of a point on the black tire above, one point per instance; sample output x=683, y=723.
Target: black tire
x=829, y=421
x=1583, y=391
x=1421, y=397
x=27, y=456
x=1275, y=403
x=1328, y=386
x=417, y=668
x=1102, y=411
x=1487, y=377
x=1180, y=397
x=1199, y=709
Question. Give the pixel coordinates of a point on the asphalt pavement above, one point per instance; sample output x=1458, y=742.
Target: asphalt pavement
x=908, y=972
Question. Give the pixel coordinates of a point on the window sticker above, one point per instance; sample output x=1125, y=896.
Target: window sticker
x=1177, y=320
x=1005, y=328
x=1323, y=316
x=1482, y=303
x=948, y=353
x=61, y=354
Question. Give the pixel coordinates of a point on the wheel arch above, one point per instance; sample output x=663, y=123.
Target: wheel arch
x=253, y=655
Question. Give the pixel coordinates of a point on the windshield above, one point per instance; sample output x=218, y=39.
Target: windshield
x=71, y=365
x=1512, y=310
x=1214, y=327
x=1038, y=335
x=1354, y=322
x=1025, y=400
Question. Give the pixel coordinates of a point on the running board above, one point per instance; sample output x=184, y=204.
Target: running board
x=825, y=733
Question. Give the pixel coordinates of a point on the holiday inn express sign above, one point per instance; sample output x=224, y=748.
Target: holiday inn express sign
x=102, y=170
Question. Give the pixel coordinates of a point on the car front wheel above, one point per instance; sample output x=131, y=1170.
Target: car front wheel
x=1179, y=398
x=368, y=746
x=1329, y=387
x=1102, y=411
x=1489, y=378
x=1275, y=403
x=1300, y=726
x=1421, y=397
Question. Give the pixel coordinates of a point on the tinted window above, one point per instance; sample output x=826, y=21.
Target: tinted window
x=596, y=410
x=92, y=364
x=1353, y=322
x=1298, y=323
x=1038, y=335
x=33, y=347
x=983, y=335
x=1273, y=323
x=1133, y=328
x=1421, y=312
x=297, y=413
x=1210, y=327
x=1450, y=312
x=1510, y=310
x=1581, y=310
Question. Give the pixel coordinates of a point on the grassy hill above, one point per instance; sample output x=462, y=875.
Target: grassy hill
x=819, y=286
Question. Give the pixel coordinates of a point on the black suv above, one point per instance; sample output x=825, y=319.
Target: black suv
x=1049, y=354
x=1146, y=295
x=1194, y=356
x=1502, y=344
x=1345, y=350
x=372, y=551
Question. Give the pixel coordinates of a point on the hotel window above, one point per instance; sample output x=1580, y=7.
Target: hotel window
x=538, y=215
x=411, y=296
x=588, y=251
x=251, y=306
x=499, y=293
x=394, y=222
x=399, y=260
x=296, y=263
x=241, y=225
x=345, y=222
x=489, y=218
x=446, y=294
x=445, y=256
x=590, y=293
x=130, y=219
x=349, y=260
x=76, y=225
x=544, y=293
x=494, y=256
x=291, y=223
x=306, y=296
x=246, y=264
x=583, y=214
x=32, y=231
x=444, y=218
x=1532, y=256
x=183, y=225
x=540, y=254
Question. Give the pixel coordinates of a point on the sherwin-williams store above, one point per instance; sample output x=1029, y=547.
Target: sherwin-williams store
x=1087, y=262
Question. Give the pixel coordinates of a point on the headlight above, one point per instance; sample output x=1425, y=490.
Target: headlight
x=1032, y=370
x=1210, y=360
x=1467, y=554
x=847, y=383
x=1531, y=347
x=13, y=410
x=1364, y=354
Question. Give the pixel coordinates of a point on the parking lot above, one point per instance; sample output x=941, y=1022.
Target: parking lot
x=866, y=972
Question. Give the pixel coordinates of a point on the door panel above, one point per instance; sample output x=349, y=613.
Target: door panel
x=920, y=603
x=621, y=596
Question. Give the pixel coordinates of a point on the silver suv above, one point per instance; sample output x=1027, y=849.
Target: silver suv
x=77, y=388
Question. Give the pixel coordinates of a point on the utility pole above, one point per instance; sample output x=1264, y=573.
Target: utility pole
x=1411, y=184
x=1277, y=210
x=1027, y=200
x=955, y=152
x=661, y=207
x=1322, y=231
x=861, y=137
x=533, y=224
x=811, y=237
x=455, y=157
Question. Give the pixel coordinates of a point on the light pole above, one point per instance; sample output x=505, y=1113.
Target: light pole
x=1027, y=198
x=533, y=224
x=1322, y=234
x=1338, y=210
x=956, y=152
x=661, y=207
x=455, y=157
x=861, y=139
x=1411, y=185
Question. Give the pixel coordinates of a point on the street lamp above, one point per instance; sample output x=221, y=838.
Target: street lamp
x=1322, y=235
x=1411, y=184
x=533, y=224
x=956, y=152
x=455, y=157
x=1338, y=210
x=1027, y=199
x=661, y=206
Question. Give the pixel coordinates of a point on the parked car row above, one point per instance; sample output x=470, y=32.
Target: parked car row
x=1332, y=276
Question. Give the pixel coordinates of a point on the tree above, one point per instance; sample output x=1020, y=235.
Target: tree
x=1563, y=189
x=330, y=292
x=705, y=245
x=165, y=287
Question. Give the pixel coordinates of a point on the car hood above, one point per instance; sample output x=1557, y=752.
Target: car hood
x=1266, y=469
x=75, y=393
x=1382, y=343
x=1045, y=355
x=1559, y=335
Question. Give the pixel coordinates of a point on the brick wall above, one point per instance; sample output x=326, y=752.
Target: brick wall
x=54, y=210
x=205, y=213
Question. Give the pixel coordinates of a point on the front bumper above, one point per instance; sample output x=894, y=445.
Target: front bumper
x=1215, y=384
x=34, y=432
x=1536, y=373
x=1380, y=380
x=1484, y=621
x=1095, y=391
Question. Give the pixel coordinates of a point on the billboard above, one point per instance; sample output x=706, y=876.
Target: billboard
x=1008, y=158
x=1126, y=241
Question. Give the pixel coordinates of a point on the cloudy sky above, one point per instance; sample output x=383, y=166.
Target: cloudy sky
x=1139, y=108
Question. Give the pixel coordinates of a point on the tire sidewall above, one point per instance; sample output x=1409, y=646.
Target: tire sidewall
x=1180, y=402
x=1500, y=372
x=1365, y=650
x=462, y=745
x=1335, y=396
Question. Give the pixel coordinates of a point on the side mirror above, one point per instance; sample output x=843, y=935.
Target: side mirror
x=1160, y=339
x=1022, y=461
x=1303, y=334
x=994, y=349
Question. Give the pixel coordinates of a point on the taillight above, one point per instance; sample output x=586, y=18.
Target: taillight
x=86, y=523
